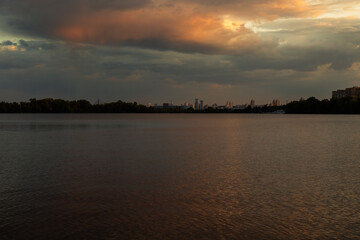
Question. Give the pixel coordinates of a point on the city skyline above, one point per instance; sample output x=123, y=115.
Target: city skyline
x=154, y=50
x=200, y=104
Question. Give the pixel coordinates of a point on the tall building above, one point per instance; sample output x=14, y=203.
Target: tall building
x=229, y=104
x=252, y=103
x=196, y=104
x=276, y=102
x=353, y=92
x=201, y=104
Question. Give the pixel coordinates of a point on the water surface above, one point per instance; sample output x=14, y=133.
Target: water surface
x=181, y=176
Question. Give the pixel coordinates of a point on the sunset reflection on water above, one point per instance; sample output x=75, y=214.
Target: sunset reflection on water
x=179, y=177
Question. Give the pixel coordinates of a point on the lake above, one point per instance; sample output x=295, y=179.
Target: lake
x=180, y=176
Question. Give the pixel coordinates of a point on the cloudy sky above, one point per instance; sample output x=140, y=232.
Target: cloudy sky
x=162, y=50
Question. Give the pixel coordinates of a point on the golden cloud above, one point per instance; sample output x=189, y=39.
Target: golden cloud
x=209, y=26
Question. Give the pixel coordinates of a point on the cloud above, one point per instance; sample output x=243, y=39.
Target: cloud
x=161, y=29
x=7, y=43
x=260, y=9
x=132, y=74
x=23, y=45
x=146, y=50
x=188, y=26
x=202, y=26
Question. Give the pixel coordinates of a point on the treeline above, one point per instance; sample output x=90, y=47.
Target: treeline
x=332, y=106
x=49, y=105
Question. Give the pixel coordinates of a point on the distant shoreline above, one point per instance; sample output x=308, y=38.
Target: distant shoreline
x=60, y=106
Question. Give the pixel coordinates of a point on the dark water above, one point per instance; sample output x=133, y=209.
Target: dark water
x=179, y=177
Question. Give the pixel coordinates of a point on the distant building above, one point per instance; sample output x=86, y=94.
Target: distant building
x=353, y=92
x=187, y=105
x=196, y=104
x=252, y=103
x=240, y=107
x=201, y=104
x=276, y=102
x=229, y=104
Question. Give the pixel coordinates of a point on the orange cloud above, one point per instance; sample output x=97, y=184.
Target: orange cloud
x=259, y=9
x=184, y=25
x=164, y=26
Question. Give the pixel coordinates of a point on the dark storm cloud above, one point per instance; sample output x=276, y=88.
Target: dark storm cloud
x=196, y=47
x=133, y=74
x=7, y=43
x=36, y=45
x=39, y=17
x=300, y=59
x=29, y=45
x=185, y=67
x=61, y=7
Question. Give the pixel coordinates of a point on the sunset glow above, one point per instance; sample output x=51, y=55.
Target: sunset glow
x=258, y=41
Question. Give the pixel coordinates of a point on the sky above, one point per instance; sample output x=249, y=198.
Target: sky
x=165, y=50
